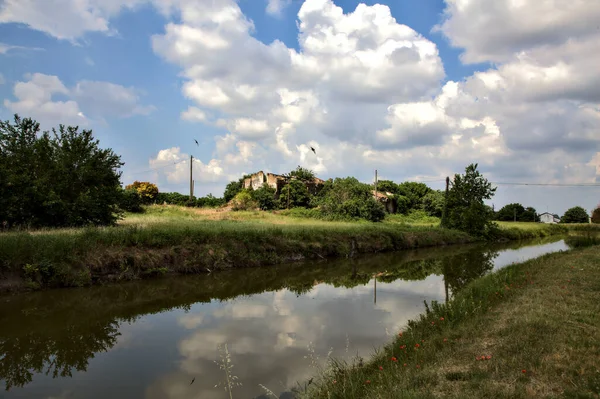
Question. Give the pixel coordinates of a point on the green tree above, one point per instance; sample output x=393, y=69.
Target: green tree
x=348, y=198
x=466, y=210
x=414, y=192
x=233, y=188
x=298, y=195
x=63, y=179
x=302, y=174
x=433, y=203
x=264, y=197
x=387, y=186
x=596, y=215
x=131, y=201
x=575, y=215
x=507, y=212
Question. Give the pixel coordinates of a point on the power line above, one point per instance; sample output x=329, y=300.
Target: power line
x=159, y=168
x=548, y=184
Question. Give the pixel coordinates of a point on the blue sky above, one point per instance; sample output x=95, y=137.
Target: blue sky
x=371, y=86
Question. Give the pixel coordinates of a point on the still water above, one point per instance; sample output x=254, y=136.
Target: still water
x=150, y=339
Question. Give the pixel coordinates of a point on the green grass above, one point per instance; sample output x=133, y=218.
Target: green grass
x=193, y=240
x=537, y=321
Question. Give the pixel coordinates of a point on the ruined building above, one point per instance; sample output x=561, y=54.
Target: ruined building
x=278, y=182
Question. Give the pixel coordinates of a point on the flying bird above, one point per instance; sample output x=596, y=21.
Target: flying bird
x=193, y=379
x=197, y=142
x=313, y=150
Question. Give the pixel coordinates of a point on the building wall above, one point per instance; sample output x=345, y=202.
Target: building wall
x=547, y=219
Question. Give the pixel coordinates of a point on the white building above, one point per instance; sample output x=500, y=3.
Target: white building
x=549, y=218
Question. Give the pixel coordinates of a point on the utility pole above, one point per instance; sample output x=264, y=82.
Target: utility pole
x=191, y=178
x=445, y=210
x=515, y=214
x=375, y=291
x=375, y=184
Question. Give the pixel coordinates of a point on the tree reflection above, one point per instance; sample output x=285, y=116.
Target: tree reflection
x=459, y=270
x=51, y=350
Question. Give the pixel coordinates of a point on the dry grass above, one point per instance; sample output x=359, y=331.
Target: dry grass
x=538, y=321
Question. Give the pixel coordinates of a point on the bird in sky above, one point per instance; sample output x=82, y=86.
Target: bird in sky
x=197, y=142
x=313, y=150
x=193, y=379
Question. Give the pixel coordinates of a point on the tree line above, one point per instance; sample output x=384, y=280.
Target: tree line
x=63, y=178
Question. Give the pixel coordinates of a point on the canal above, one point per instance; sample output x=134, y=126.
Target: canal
x=151, y=339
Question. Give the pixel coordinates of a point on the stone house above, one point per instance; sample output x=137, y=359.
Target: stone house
x=387, y=200
x=277, y=182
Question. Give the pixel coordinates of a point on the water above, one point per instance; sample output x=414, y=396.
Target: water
x=150, y=339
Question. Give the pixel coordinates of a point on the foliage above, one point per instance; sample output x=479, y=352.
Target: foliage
x=146, y=190
x=243, y=201
x=298, y=195
x=264, y=197
x=209, y=201
x=347, y=198
x=387, y=186
x=233, y=188
x=131, y=201
x=507, y=213
x=596, y=215
x=63, y=179
x=433, y=203
x=575, y=215
x=415, y=192
x=465, y=208
x=302, y=174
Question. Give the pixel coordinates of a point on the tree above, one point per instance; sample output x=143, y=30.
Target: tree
x=348, y=198
x=596, y=215
x=146, y=190
x=264, y=197
x=508, y=212
x=433, y=203
x=387, y=186
x=302, y=174
x=298, y=195
x=233, y=188
x=575, y=215
x=131, y=201
x=466, y=210
x=414, y=192
x=59, y=180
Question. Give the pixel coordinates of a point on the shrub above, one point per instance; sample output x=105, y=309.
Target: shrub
x=243, y=201
x=349, y=199
x=596, y=215
x=146, y=190
x=131, y=201
x=575, y=215
x=298, y=195
x=265, y=197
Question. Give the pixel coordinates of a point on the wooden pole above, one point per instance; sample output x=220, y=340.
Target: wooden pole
x=288, y=204
x=375, y=291
x=191, y=178
x=515, y=214
x=445, y=210
x=375, y=184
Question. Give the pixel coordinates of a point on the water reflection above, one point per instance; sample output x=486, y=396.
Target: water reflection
x=149, y=339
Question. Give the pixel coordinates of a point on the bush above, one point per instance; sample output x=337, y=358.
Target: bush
x=575, y=215
x=131, y=201
x=298, y=195
x=596, y=215
x=349, y=199
x=146, y=190
x=264, y=197
x=243, y=201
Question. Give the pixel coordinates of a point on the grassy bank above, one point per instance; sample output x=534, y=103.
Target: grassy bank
x=175, y=240
x=535, y=324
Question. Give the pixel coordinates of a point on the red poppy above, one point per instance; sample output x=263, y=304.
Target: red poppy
x=380, y=368
x=441, y=318
x=488, y=357
x=445, y=339
x=404, y=364
x=367, y=382
x=394, y=359
x=432, y=323
x=418, y=366
x=400, y=334
x=417, y=345
x=523, y=371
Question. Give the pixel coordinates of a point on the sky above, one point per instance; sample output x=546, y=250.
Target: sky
x=416, y=90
